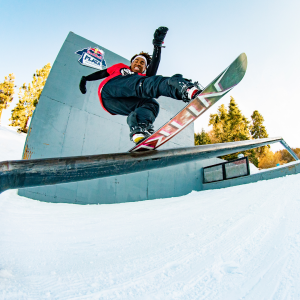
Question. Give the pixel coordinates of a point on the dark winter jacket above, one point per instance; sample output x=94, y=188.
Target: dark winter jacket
x=123, y=70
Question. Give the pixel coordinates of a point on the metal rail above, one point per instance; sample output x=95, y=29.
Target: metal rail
x=48, y=171
x=289, y=149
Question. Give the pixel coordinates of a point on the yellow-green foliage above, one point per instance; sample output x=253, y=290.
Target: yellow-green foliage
x=6, y=92
x=270, y=159
x=230, y=125
x=29, y=96
x=202, y=138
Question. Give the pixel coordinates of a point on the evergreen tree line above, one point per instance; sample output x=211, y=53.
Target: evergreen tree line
x=29, y=95
x=230, y=125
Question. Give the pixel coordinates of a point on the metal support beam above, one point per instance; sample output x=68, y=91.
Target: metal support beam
x=39, y=172
x=290, y=150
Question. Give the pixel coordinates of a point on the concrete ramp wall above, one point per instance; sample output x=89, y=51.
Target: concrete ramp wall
x=67, y=123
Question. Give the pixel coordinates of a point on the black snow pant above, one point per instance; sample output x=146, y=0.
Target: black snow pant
x=132, y=96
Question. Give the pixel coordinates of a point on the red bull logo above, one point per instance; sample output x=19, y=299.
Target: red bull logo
x=96, y=52
x=92, y=57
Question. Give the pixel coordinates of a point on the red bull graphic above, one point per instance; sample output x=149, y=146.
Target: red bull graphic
x=92, y=57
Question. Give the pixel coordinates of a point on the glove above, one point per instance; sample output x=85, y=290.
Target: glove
x=82, y=85
x=159, y=36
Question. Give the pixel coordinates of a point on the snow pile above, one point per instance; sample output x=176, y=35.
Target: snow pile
x=11, y=143
x=253, y=169
x=236, y=243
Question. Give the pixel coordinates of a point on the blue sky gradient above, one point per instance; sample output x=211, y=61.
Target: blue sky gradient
x=204, y=38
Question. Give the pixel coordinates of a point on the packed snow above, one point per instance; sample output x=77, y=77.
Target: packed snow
x=241, y=242
x=11, y=143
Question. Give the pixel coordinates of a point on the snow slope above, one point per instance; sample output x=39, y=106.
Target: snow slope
x=241, y=242
x=11, y=143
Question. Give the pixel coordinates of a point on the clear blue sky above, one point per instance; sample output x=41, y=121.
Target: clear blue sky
x=203, y=38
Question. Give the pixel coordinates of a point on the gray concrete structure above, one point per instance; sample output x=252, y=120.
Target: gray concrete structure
x=67, y=123
x=281, y=171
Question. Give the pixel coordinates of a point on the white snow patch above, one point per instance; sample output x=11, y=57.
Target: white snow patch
x=241, y=242
x=11, y=143
x=253, y=169
x=5, y=274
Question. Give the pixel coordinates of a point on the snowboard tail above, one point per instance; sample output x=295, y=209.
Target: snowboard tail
x=219, y=87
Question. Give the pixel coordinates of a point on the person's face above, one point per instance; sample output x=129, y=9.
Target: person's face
x=138, y=65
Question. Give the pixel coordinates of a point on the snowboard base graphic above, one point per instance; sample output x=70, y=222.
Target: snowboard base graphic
x=220, y=86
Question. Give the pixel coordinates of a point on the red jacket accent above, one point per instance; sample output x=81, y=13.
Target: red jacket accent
x=113, y=72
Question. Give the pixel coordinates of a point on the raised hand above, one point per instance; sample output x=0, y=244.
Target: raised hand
x=159, y=36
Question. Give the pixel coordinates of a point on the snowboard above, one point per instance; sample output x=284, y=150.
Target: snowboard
x=212, y=93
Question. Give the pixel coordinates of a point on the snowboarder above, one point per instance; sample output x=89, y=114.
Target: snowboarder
x=129, y=90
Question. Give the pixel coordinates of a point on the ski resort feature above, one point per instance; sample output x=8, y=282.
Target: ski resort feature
x=70, y=156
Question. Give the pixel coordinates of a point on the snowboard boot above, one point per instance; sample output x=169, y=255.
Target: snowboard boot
x=140, y=132
x=186, y=89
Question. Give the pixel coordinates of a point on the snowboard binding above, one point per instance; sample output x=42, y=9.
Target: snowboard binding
x=186, y=89
x=140, y=132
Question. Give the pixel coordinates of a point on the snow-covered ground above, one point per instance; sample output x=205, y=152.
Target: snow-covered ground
x=235, y=243
x=11, y=143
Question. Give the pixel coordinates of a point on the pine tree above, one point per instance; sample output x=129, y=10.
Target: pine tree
x=230, y=126
x=238, y=123
x=238, y=131
x=19, y=115
x=258, y=131
x=29, y=96
x=219, y=122
x=212, y=137
x=202, y=138
x=6, y=92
